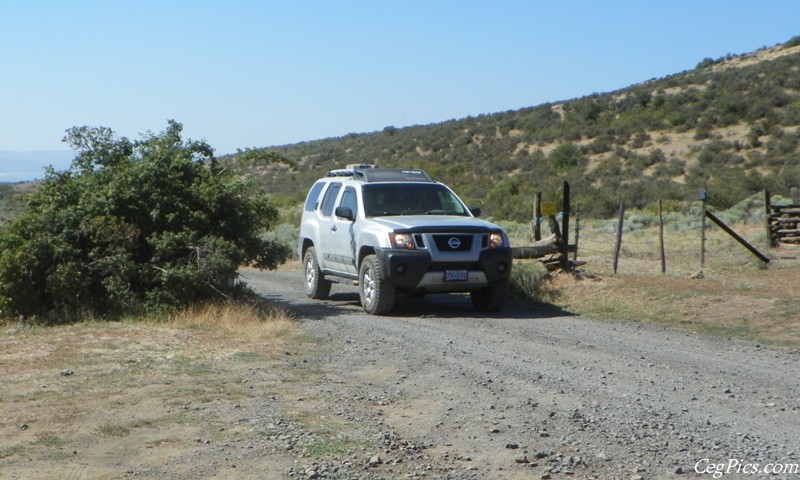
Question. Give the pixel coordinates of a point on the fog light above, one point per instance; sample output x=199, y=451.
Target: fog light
x=501, y=267
x=400, y=269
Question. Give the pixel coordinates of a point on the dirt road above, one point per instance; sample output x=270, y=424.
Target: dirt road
x=435, y=391
x=534, y=393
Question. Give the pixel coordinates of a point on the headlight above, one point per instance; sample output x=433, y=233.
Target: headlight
x=401, y=240
x=496, y=240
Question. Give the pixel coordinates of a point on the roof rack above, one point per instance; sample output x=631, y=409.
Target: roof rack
x=349, y=171
x=395, y=175
x=371, y=174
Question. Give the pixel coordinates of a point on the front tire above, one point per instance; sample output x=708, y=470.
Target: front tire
x=315, y=284
x=490, y=299
x=377, y=296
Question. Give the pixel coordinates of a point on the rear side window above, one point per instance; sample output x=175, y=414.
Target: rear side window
x=313, y=197
x=330, y=198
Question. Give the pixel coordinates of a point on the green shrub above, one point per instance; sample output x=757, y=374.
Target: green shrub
x=287, y=235
x=793, y=42
x=150, y=225
x=527, y=281
x=565, y=157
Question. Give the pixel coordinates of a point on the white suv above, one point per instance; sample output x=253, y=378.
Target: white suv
x=391, y=231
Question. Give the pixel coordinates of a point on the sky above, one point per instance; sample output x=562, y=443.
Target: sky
x=257, y=73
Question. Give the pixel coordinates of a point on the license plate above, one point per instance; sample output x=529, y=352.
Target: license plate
x=455, y=276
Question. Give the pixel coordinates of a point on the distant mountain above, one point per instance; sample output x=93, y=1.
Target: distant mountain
x=27, y=166
x=730, y=126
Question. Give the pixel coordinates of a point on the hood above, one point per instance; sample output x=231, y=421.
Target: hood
x=434, y=223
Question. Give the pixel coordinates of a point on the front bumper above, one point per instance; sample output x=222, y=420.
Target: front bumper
x=414, y=269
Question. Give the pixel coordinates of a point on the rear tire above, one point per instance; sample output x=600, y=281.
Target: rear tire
x=377, y=297
x=490, y=299
x=315, y=284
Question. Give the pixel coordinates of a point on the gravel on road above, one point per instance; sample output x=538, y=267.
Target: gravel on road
x=442, y=391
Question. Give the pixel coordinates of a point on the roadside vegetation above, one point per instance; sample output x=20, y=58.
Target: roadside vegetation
x=133, y=227
x=237, y=319
x=12, y=199
x=734, y=294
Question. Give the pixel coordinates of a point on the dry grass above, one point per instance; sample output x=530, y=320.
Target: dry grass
x=738, y=296
x=640, y=249
x=245, y=320
x=104, y=398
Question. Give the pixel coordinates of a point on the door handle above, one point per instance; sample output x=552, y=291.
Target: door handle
x=333, y=228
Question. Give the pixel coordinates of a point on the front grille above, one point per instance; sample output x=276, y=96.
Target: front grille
x=453, y=243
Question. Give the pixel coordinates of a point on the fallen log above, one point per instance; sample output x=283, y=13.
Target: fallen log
x=533, y=251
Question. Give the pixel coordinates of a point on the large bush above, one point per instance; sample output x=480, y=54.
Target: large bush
x=132, y=226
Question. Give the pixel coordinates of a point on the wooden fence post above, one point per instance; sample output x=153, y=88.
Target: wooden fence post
x=537, y=217
x=565, y=228
x=704, y=199
x=771, y=240
x=661, y=238
x=618, y=246
x=577, y=231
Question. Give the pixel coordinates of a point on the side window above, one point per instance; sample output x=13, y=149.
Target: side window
x=349, y=200
x=330, y=198
x=313, y=197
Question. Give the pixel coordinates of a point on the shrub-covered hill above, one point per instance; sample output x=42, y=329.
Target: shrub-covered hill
x=731, y=126
x=12, y=199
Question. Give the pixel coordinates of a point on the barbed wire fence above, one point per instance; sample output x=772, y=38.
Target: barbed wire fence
x=678, y=243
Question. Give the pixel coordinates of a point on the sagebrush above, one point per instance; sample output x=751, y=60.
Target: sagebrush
x=133, y=226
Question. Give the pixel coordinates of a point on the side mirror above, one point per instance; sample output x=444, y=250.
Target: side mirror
x=345, y=212
x=476, y=211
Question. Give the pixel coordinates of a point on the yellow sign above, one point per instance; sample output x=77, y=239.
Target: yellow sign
x=549, y=209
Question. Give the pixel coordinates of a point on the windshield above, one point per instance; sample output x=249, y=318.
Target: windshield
x=383, y=199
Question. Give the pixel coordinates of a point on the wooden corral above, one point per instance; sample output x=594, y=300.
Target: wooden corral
x=783, y=222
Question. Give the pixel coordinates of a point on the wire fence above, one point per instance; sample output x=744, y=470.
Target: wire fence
x=690, y=244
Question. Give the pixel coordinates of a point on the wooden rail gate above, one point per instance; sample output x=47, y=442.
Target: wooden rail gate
x=783, y=222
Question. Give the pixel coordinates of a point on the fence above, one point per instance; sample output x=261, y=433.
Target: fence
x=553, y=251
x=783, y=221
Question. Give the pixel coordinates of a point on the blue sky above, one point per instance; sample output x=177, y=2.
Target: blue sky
x=241, y=73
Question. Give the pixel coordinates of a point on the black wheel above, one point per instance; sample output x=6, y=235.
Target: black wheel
x=377, y=297
x=315, y=284
x=490, y=299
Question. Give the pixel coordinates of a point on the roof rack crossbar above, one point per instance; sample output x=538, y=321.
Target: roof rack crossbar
x=371, y=174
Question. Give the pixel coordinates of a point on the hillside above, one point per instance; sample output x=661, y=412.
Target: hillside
x=12, y=197
x=731, y=126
